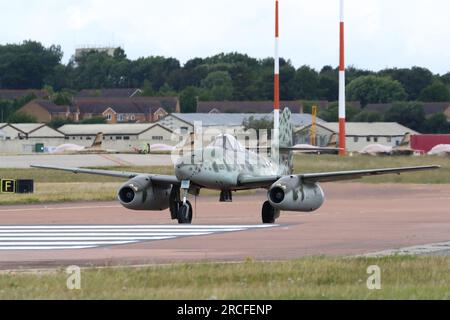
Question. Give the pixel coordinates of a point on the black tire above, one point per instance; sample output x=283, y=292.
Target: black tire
x=185, y=213
x=269, y=213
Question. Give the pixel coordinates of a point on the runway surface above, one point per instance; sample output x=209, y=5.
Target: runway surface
x=356, y=219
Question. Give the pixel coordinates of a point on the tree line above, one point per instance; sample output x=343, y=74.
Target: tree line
x=225, y=76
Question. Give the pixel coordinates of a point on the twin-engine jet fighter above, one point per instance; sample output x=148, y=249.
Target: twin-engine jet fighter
x=227, y=166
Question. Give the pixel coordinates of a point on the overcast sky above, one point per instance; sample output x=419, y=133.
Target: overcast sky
x=380, y=33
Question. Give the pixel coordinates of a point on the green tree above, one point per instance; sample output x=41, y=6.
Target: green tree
x=219, y=84
x=63, y=98
x=328, y=84
x=188, y=100
x=307, y=83
x=27, y=65
x=437, y=123
x=409, y=114
x=94, y=120
x=367, y=116
x=436, y=92
x=373, y=89
x=413, y=80
x=331, y=114
x=20, y=117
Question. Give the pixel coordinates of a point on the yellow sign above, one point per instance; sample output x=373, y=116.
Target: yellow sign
x=8, y=186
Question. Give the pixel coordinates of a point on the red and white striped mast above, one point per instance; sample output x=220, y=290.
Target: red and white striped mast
x=276, y=105
x=342, y=113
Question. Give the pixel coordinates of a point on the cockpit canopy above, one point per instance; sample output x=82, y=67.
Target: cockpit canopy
x=228, y=142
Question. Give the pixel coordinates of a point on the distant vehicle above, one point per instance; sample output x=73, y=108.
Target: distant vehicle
x=227, y=166
x=95, y=148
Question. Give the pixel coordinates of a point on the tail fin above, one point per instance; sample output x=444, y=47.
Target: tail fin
x=286, y=141
x=97, y=145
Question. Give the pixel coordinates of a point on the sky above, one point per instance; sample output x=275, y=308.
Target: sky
x=379, y=33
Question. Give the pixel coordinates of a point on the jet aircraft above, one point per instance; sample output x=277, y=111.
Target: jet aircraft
x=225, y=165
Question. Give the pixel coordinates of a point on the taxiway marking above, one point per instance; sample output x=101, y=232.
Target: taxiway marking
x=55, y=237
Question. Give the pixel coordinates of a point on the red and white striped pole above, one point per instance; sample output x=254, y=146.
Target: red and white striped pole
x=276, y=105
x=342, y=113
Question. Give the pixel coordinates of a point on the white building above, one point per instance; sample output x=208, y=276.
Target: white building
x=222, y=121
x=358, y=134
x=24, y=137
x=120, y=137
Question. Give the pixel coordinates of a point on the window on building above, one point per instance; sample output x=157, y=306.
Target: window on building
x=118, y=138
x=368, y=139
x=389, y=139
x=158, y=138
x=355, y=139
x=121, y=117
x=88, y=138
x=132, y=117
x=109, y=117
x=375, y=139
x=126, y=138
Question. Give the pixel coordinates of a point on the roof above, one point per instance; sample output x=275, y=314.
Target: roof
x=429, y=107
x=108, y=93
x=27, y=127
x=125, y=105
x=108, y=129
x=13, y=94
x=50, y=106
x=244, y=106
x=369, y=129
x=236, y=119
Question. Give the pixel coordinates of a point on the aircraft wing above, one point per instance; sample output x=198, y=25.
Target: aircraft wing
x=118, y=174
x=358, y=174
x=267, y=181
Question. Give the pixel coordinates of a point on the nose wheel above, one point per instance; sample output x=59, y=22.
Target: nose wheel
x=269, y=214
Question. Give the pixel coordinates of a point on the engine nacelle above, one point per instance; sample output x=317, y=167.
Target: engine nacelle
x=140, y=194
x=290, y=194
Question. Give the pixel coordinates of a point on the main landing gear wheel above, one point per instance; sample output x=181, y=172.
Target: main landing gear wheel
x=269, y=213
x=185, y=213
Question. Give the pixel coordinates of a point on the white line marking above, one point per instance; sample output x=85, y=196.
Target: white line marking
x=139, y=227
x=61, y=237
x=58, y=208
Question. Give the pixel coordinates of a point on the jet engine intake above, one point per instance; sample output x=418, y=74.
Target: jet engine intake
x=140, y=194
x=291, y=194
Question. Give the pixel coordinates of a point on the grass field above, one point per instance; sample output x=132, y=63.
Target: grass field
x=309, y=278
x=56, y=186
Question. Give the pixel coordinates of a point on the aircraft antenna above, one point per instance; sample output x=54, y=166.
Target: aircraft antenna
x=342, y=111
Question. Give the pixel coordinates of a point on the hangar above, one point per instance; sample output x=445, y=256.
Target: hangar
x=28, y=137
x=121, y=137
x=222, y=121
x=358, y=134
